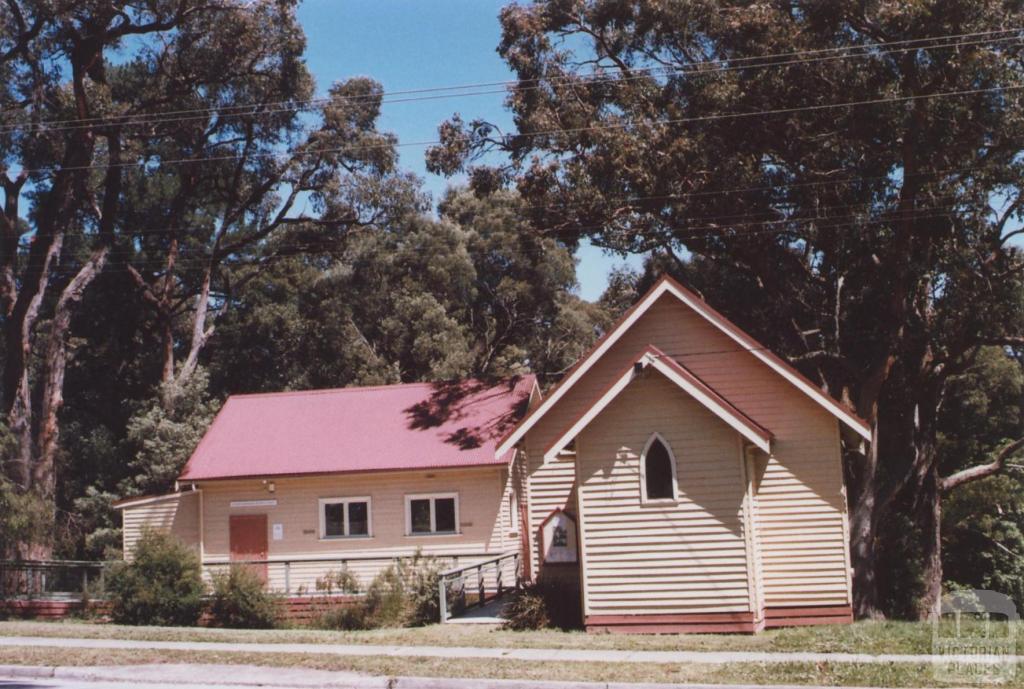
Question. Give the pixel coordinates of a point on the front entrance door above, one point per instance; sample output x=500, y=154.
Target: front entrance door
x=248, y=540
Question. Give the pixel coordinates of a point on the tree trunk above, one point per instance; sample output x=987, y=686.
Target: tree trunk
x=863, y=498
x=930, y=519
x=44, y=469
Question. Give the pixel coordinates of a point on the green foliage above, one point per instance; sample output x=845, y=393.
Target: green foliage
x=473, y=293
x=162, y=585
x=527, y=610
x=240, y=600
x=338, y=581
x=545, y=603
x=983, y=522
x=420, y=576
x=163, y=432
x=385, y=602
x=346, y=616
x=99, y=520
x=24, y=519
x=402, y=595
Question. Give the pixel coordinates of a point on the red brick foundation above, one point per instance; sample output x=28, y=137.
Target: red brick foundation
x=298, y=610
x=720, y=623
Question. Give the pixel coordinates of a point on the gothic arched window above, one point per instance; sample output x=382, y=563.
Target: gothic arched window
x=658, y=470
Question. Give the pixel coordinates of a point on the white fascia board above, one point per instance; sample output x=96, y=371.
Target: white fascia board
x=784, y=371
x=581, y=370
x=727, y=415
x=590, y=414
x=711, y=404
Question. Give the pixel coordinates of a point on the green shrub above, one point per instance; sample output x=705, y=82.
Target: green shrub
x=385, y=604
x=162, y=585
x=546, y=603
x=404, y=594
x=339, y=581
x=420, y=577
x=240, y=600
x=345, y=617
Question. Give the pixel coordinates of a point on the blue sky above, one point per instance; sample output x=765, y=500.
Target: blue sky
x=413, y=44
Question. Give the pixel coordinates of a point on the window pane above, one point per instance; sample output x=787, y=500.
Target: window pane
x=419, y=511
x=358, y=519
x=658, y=472
x=444, y=514
x=333, y=520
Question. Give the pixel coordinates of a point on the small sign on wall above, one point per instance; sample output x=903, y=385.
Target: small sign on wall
x=558, y=539
x=254, y=503
x=278, y=532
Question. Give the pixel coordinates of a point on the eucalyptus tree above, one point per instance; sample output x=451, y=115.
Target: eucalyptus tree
x=173, y=143
x=262, y=170
x=856, y=164
x=468, y=293
x=61, y=149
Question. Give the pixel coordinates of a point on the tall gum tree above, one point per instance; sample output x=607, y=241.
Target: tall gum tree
x=265, y=171
x=98, y=98
x=59, y=149
x=859, y=162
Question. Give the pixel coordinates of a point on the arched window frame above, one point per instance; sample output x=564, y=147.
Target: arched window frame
x=643, y=472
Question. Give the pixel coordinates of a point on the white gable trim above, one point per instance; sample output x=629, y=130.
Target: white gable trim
x=148, y=499
x=581, y=370
x=756, y=437
x=773, y=362
x=663, y=286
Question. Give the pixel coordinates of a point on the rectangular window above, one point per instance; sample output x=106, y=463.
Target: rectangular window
x=345, y=517
x=432, y=514
x=513, y=510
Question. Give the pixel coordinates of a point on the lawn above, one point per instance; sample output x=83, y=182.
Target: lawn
x=820, y=674
x=861, y=637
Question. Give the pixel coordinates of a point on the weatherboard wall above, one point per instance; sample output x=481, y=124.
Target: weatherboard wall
x=177, y=514
x=687, y=556
x=800, y=510
x=485, y=526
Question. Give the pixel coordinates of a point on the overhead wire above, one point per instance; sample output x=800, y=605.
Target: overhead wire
x=552, y=132
x=701, y=67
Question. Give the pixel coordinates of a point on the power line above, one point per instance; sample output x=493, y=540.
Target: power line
x=702, y=68
x=824, y=224
x=551, y=132
x=729, y=219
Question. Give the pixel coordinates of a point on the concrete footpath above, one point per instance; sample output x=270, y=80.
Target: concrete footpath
x=173, y=676
x=527, y=654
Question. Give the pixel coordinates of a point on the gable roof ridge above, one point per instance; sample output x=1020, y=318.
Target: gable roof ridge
x=678, y=375
x=667, y=284
x=678, y=364
x=384, y=386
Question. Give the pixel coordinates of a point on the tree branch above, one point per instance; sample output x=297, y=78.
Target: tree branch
x=981, y=470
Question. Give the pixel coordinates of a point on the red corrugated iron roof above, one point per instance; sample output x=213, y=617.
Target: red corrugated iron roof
x=411, y=426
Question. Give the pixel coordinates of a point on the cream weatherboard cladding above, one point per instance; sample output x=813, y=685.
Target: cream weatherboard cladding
x=177, y=514
x=757, y=535
x=800, y=504
x=687, y=557
x=484, y=521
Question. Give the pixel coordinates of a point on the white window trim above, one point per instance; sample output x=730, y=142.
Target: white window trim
x=345, y=501
x=433, y=515
x=513, y=509
x=643, y=473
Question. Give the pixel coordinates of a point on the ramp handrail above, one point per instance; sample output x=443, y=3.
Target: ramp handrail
x=456, y=580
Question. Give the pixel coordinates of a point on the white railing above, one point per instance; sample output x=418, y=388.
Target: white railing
x=299, y=575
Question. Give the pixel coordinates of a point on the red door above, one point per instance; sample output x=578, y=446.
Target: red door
x=248, y=540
